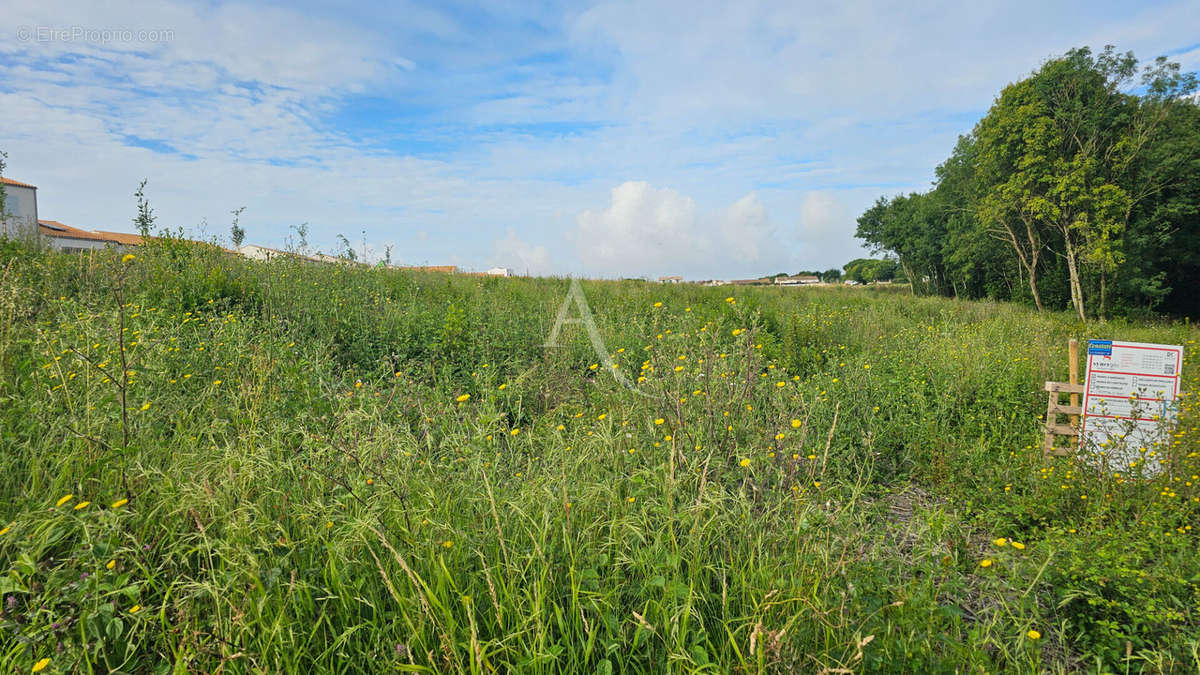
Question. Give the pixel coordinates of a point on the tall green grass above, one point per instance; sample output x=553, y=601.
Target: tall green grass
x=307, y=491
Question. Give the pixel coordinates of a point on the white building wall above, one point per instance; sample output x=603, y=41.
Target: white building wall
x=21, y=211
x=257, y=252
x=74, y=245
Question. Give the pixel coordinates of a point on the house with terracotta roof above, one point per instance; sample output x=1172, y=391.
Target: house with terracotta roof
x=74, y=240
x=797, y=280
x=20, y=215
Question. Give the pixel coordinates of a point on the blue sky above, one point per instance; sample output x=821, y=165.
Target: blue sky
x=622, y=138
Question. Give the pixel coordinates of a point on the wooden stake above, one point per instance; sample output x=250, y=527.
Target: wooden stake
x=1073, y=354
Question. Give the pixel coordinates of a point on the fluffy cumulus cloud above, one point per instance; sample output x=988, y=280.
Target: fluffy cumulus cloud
x=643, y=228
x=649, y=231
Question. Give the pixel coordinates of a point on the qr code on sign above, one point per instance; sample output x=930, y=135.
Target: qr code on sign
x=1169, y=369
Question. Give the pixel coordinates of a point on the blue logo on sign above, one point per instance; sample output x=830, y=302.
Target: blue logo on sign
x=1100, y=347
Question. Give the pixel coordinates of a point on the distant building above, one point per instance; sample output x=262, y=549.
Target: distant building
x=751, y=282
x=256, y=252
x=74, y=240
x=798, y=280
x=670, y=280
x=20, y=215
x=500, y=272
x=325, y=258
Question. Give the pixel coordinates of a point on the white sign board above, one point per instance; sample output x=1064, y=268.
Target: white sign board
x=1129, y=402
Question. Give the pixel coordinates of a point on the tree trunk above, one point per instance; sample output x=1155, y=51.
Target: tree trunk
x=1037, y=298
x=1027, y=262
x=1076, y=288
x=1034, y=252
x=1103, y=313
x=912, y=279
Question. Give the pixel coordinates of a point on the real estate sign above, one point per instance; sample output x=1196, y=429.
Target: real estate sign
x=1129, y=403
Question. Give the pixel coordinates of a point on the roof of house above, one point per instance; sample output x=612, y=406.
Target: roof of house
x=16, y=183
x=53, y=228
x=669, y=278
x=122, y=237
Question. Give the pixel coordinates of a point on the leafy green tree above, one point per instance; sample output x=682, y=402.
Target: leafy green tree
x=347, y=252
x=144, y=220
x=236, y=232
x=1071, y=190
x=1059, y=153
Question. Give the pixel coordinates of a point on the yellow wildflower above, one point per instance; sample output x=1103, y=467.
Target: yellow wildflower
x=111, y=564
x=463, y=398
x=744, y=462
x=81, y=505
x=986, y=562
x=128, y=257
x=1033, y=635
x=41, y=665
x=64, y=500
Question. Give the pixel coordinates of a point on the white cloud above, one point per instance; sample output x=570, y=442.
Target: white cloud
x=746, y=230
x=651, y=231
x=520, y=256
x=644, y=229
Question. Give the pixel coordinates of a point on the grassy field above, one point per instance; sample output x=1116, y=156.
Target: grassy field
x=329, y=469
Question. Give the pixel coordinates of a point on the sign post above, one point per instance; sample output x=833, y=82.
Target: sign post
x=1129, y=396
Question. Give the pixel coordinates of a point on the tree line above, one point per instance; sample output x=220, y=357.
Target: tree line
x=1079, y=189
